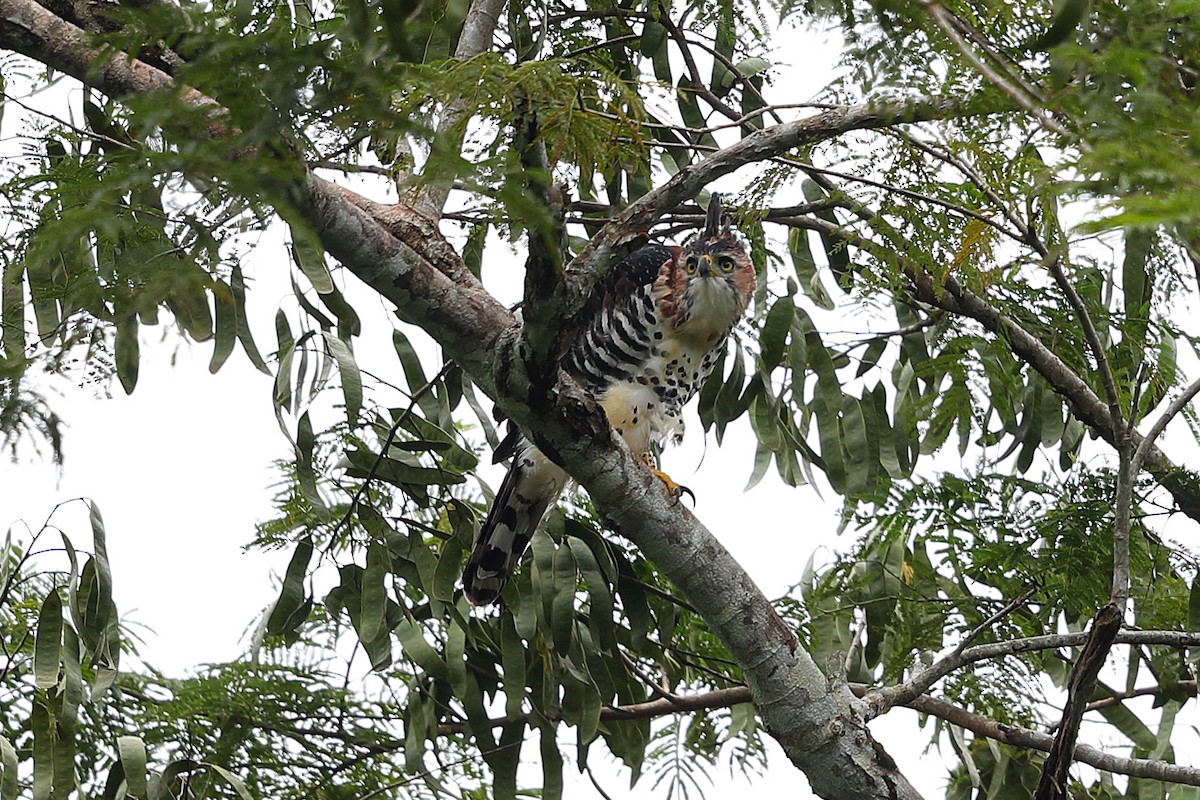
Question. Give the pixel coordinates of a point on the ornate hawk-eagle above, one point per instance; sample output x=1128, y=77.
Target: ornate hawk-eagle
x=652, y=341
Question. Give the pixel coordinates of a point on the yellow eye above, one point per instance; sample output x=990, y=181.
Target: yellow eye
x=726, y=263
x=690, y=264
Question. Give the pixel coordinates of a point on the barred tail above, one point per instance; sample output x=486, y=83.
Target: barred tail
x=531, y=486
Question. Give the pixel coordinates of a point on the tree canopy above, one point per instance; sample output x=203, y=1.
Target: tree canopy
x=978, y=251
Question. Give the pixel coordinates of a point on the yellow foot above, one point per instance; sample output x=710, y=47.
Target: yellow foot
x=674, y=489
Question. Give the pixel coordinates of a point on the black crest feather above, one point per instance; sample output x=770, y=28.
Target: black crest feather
x=712, y=222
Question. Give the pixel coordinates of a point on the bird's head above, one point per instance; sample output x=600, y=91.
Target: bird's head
x=717, y=268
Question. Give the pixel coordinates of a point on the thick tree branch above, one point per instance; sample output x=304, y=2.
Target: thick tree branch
x=1094, y=412
x=952, y=296
x=475, y=38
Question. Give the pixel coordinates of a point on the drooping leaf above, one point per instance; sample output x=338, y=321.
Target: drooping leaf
x=284, y=616
x=352, y=387
x=132, y=752
x=47, y=649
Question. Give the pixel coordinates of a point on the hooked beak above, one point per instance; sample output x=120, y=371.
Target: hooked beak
x=706, y=266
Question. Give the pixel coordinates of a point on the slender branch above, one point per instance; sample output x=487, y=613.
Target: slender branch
x=945, y=21
x=593, y=261
x=747, y=86
x=1099, y=351
x=924, y=198
x=660, y=692
x=1035, y=740
x=1177, y=405
x=1105, y=625
x=883, y=699
x=601, y=13
x=1187, y=688
x=699, y=88
x=382, y=454
x=880, y=699
x=1026, y=233
x=629, y=37
x=678, y=704
x=1123, y=501
x=1011, y=70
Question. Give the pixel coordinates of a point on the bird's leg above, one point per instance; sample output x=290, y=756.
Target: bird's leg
x=674, y=489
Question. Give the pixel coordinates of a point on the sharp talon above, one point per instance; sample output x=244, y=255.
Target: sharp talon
x=677, y=491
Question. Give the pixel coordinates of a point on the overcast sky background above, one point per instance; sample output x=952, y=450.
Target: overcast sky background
x=181, y=471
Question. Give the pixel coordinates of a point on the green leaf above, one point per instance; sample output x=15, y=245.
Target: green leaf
x=504, y=761
x=306, y=476
x=414, y=374
x=188, y=301
x=552, y=765
x=284, y=616
x=807, y=274
x=870, y=357
x=600, y=598
x=449, y=567
x=512, y=661
x=775, y=332
x=726, y=39
x=373, y=616
x=1194, y=604
x=310, y=258
x=461, y=681
x=9, y=788
x=472, y=254
x=12, y=314
x=1067, y=16
x=126, y=351
x=160, y=785
x=1135, y=279
x=417, y=649
x=43, y=750
x=1126, y=721
x=237, y=286
x=352, y=387
x=348, y=322
x=72, y=689
x=47, y=649
x=132, y=752
x=398, y=473
x=234, y=781
x=749, y=67
x=102, y=617
x=565, y=582
x=226, y=325
x=727, y=407
x=44, y=295
x=835, y=250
